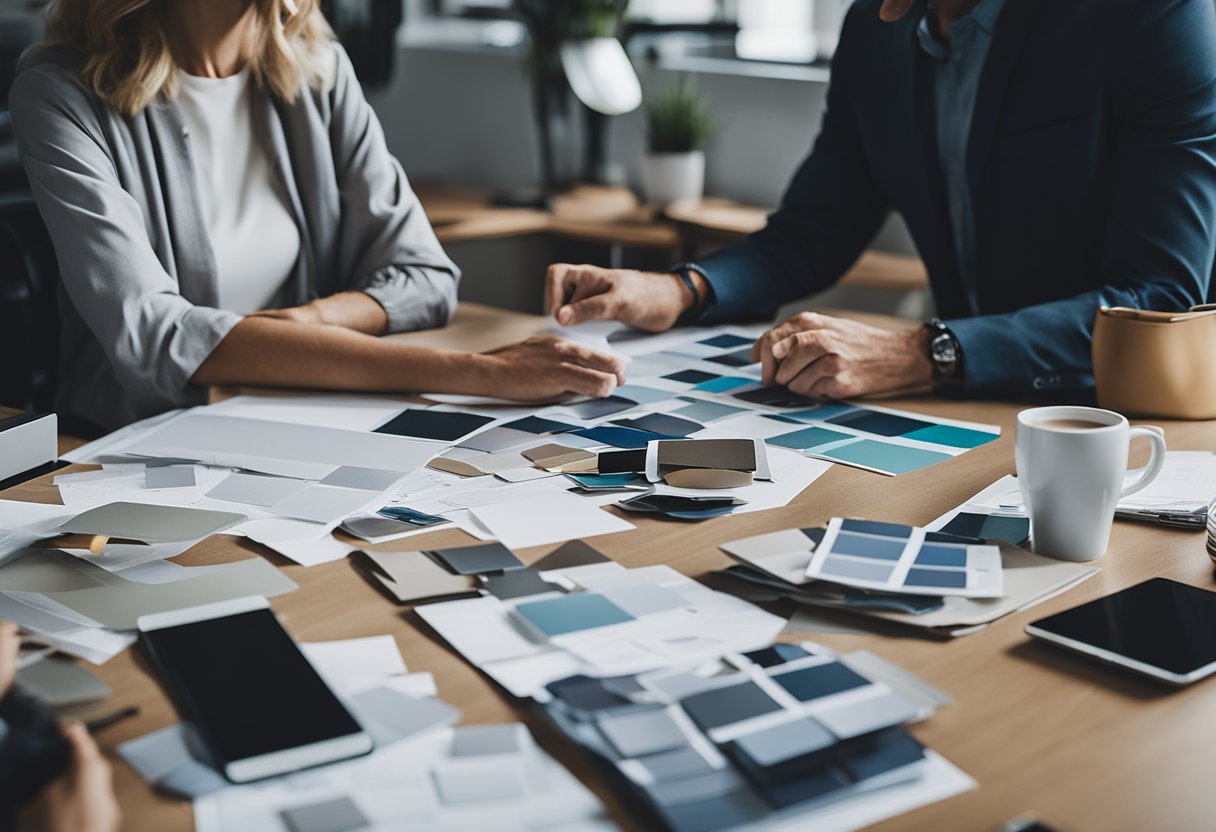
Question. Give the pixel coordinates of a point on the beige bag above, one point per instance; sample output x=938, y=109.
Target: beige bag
x=1158, y=364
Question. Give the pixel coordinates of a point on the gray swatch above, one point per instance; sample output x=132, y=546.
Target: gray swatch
x=573, y=553
x=151, y=523
x=477, y=560
x=646, y=600
x=398, y=715
x=255, y=489
x=700, y=411
x=700, y=787
x=364, y=479
x=857, y=718
x=785, y=742
x=193, y=779
x=169, y=476
x=517, y=583
x=338, y=815
x=725, y=706
x=498, y=439
x=480, y=740
x=649, y=732
x=877, y=571
x=675, y=764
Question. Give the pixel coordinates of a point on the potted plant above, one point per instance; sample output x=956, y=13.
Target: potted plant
x=678, y=125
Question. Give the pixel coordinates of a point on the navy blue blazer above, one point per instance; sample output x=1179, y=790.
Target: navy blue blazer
x=1092, y=164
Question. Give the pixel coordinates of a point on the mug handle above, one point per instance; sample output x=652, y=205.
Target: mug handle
x=1156, y=459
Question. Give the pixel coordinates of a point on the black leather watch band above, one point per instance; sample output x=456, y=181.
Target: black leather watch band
x=946, y=354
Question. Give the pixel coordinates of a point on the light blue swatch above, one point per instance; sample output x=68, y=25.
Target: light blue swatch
x=807, y=438
x=894, y=459
x=642, y=395
x=952, y=436
x=572, y=613
x=721, y=385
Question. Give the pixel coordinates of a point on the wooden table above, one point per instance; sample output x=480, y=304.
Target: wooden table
x=1087, y=746
x=613, y=216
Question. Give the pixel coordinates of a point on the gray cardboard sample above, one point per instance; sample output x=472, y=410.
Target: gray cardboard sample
x=119, y=606
x=151, y=523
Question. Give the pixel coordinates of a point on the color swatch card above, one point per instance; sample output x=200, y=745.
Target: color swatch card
x=891, y=557
x=597, y=618
x=878, y=439
x=775, y=733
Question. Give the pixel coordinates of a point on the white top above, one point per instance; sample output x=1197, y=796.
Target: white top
x=253, y=235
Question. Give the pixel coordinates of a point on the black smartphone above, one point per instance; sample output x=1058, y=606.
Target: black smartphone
x=258, y=704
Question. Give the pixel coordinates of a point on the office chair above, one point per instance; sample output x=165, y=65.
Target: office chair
x=29, y=309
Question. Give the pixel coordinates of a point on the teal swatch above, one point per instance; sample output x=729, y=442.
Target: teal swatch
x=894, y=459
x=572, y=613
x=721, y=385
x=808, y=438
x=951, y=436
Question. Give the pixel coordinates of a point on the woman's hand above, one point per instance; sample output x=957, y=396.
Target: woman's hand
x=545, y=368
x=10, y=646
x=353, y=310
x=82, y=798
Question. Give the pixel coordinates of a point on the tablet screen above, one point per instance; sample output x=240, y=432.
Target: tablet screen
x=1160, y=622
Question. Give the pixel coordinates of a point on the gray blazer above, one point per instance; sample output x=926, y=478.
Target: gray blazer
x=138, y=282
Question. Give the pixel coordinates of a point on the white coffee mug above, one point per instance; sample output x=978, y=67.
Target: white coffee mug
x=1071, y=465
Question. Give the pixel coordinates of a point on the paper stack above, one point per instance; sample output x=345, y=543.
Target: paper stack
x=941, y=588
x=577, y=612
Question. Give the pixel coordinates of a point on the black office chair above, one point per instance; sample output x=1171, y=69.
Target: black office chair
x=29, y=310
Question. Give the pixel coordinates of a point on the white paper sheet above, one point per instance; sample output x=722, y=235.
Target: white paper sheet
x=556, y=518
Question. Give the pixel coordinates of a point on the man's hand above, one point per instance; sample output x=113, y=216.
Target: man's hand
x=546, y=368
x=647, y=300
x=832, y=358
x=82, y=798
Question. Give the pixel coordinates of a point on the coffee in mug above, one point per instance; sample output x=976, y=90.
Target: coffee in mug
x=1071, y=462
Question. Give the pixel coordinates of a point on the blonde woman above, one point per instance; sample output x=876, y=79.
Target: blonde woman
x=224, y=211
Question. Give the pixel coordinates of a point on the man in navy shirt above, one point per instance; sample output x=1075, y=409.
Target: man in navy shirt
x=1048, y=156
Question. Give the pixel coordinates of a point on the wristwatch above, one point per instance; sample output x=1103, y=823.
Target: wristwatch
x=946, y=354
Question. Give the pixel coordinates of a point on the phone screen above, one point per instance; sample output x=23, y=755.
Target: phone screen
x=245, y=684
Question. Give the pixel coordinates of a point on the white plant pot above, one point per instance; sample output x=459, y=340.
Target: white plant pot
x=673, y=176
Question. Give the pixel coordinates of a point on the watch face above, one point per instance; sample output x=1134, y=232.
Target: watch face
x=943, y=349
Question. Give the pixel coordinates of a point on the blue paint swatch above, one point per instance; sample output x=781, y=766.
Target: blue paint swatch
x=876, y=527
x=539, y=425
x=880, y=424
x=726, y=341
x=663, y=423
x=944, y=578
x=952, y=436
x=619, y=437
x=722, y=384
x=936, y=554
x=572, y=613
x=825, y=411
x=807, y=438
x=865, y=546
x=691, y=376
x=822, y=680
x=896, y=459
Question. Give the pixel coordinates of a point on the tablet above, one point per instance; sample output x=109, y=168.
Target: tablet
x=258, y=704
x=1159, y=628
